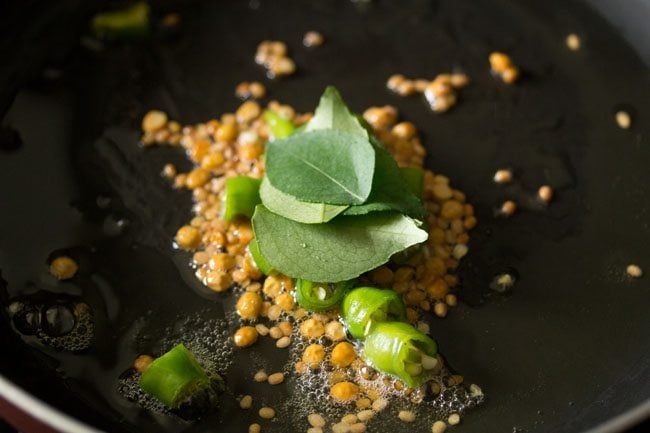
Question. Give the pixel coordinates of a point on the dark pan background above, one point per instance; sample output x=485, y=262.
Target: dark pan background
x=566, y=350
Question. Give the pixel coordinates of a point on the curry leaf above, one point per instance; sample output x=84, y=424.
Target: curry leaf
x=390, y=191
x=340, y=250
x=290, y=207
x=322, y=166
x=332, y=113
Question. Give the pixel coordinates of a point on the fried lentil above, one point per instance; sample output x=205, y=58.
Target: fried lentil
x=379, y=404
x=245, y=336
x=267, y=412
x=623, y=119
x=343, y=355
x=438, y=427
x=344, y=391
x=406, y=416
x=273, y=56
x=169, y=171
x=249, y=305
x=313, y=39
x=246, y=402
x=573, y=42
x=365, y=415
x=634, y=271
x=260, y=376
x=252, y=90
x=63, y=268
x=441, y=92
x=503, y=176
x=276, y=378
x=545, y=193
x=453, y=419
x=142, y=362
x=316, y=420
x=188, y=237
x=312, y=329
x=313, y=355
x=502, y=65
x=508, y=208
x=154, y=121
x=334, y=331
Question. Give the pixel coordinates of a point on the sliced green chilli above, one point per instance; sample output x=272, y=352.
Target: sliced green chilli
x=364, y=307
x=320, y=296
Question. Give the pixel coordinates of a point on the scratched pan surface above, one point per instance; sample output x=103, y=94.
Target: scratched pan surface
x=564, y=351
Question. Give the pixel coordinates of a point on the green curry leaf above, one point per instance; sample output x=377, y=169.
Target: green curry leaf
x=340, y=250
x=390, y=191
x=289, y=207
x=322, y=166
x=332, y=113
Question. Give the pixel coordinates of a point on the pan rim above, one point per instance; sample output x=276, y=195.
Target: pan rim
x=58, y=420
x=39, y=410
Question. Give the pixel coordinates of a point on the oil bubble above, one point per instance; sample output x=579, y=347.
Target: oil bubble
x=58, y=320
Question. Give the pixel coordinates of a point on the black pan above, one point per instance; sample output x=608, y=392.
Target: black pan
x=566, y=350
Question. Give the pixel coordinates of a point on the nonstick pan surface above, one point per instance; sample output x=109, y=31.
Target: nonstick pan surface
x=565, y=350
